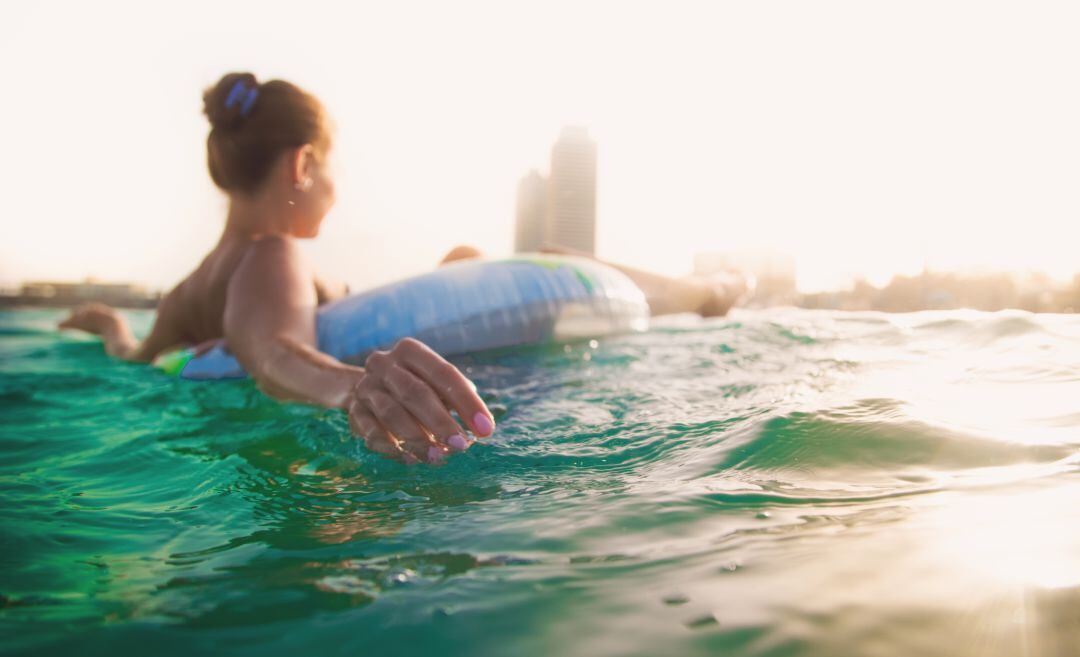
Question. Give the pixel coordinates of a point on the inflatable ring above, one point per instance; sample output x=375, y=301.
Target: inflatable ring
x=462, y=307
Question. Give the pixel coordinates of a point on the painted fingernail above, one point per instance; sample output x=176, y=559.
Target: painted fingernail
x=483, y=424
x=435, y=455
x=457, y=441
x=410, y=459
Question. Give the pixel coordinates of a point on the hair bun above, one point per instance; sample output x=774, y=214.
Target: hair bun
x=215, y=100
x=252, y=123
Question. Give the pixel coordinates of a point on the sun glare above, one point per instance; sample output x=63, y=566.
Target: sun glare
x=1019, y=539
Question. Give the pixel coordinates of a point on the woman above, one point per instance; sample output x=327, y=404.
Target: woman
x=267, y=150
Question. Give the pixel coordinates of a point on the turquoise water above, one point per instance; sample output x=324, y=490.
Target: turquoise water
x=774, y=483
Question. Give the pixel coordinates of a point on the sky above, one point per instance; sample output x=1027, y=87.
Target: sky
x=862, y=138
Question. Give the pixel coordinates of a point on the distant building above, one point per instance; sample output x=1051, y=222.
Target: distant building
x=531, y=212
x=932, y=290
x=64, y=293
x=571, y=205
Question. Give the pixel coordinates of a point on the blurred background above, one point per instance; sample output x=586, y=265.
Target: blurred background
x=891, y=156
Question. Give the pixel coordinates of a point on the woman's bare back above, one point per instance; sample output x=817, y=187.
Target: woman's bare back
x=200, y=298
x=195, y=308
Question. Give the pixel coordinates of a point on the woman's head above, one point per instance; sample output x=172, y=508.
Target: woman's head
x=271, y=140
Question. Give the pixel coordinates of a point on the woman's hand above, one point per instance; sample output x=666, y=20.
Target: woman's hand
x=102, y=320
x=402, y=403
x=95, y=318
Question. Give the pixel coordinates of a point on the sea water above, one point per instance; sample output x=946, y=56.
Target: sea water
x=772, y=483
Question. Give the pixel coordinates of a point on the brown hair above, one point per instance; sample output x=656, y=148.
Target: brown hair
x=246, y=139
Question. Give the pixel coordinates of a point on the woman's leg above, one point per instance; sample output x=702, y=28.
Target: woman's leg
x=708, y=296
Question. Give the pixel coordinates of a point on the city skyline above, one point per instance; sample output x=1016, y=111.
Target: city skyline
x=773, y=274
x=560, y=209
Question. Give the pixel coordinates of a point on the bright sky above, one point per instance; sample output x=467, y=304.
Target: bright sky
x=862, y=137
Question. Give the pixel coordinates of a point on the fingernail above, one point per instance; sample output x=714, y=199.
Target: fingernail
x=435, y=455
x=410, y=459
x=458, y=442
x=484, y=425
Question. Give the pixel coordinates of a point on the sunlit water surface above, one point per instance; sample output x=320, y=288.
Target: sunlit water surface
x=773, y=483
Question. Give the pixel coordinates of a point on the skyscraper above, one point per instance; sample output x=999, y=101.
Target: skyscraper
x=571, y=201
x=531, y=212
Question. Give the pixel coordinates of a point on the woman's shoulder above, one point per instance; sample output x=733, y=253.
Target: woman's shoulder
x=272, y=255
x=213, y=275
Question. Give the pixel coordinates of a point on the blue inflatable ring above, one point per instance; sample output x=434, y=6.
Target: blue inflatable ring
x=463, y=307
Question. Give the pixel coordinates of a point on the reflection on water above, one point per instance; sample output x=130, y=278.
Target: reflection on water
x=776, y=483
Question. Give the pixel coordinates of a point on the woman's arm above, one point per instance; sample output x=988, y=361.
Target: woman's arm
x=270, y=327
x=400, y=402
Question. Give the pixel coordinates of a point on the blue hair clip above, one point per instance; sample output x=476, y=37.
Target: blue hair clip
x=252, y=94
x=249, y=95
x=234, y=94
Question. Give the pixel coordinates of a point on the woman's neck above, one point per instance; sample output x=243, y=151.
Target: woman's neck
x=252, y=217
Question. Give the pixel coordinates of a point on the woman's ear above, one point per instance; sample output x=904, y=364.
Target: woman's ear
x=303, y=167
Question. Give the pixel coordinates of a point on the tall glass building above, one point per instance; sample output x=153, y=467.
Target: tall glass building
x=571, y=201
